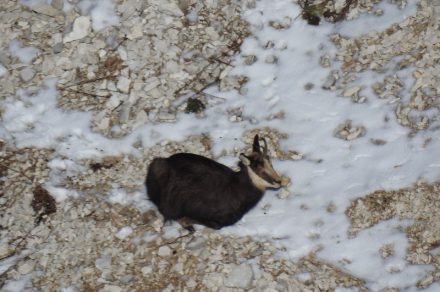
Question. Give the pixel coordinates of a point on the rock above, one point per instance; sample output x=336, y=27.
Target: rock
x=81, y=28
x=26, y=268
x=351, y=91
x=57, y=4
x=213, y=280
x=124, y=232
x=27, y=74
x=111, y=288
x=123, y=84
x=136, y=31
x=240, y=277
x=146, y=270
x=271, y=59
x=164, y=251
x=127, y=279
x=348, y=132
x=283, y=194
x=46, y=9
x=104, y=262
x=249, y=59
x=57, y=48
x=4, y=250
x=165, y=116
x=4, y=58
x=283, y=24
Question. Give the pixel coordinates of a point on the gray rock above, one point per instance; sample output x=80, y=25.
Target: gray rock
x=46, y=9
x=111, y=288
x=240, y=277
x=124, y=84
x=103, y=262
x=4, y=58
x=57, y=48
x=165, y=116
x=57, y=4
x=164, y=251
x=27, y=74
x=81, y=28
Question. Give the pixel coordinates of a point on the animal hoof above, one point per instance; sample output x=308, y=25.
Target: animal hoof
x=190, y=228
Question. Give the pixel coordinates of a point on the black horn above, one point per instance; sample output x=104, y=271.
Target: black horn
x=256, y=145
x=265, y=146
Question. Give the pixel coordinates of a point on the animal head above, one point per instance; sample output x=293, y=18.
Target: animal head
x=260, y=168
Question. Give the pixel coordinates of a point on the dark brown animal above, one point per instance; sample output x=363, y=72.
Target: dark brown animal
x=194, y=189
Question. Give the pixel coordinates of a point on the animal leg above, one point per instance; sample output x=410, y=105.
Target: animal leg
x=214, y=225
x=187, y=223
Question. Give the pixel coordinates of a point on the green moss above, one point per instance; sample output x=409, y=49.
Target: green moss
x=194, y=105
x=313, y=13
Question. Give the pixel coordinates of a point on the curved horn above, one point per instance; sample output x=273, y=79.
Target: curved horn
x=265, y=146
x=256, y=145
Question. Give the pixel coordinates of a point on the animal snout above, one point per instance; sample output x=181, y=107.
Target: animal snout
x=285, y=181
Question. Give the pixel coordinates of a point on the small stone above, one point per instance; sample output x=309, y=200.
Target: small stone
x=249, y=59
x=283, y=194
x=386, y=250
x=324, y=61
x=146, y=270
x=111, y=288
x=164, y=251
x=81, y=28
x=351, y=91
x=331, y=207
x=347, y=132
x=213, y=280
x=240, y=277
x=378, y=141
x=4, y=58
x=103, y=262
x=271, y=59
x=4, y=250
x=165, y=116
x=123, y=84
x=57, y=48
x=26, y=268
x=378, y=12
x=308, y=86
x=127, y=279
x=283, y=24
x=46, y=9
x=57, y=4
x=27, y=74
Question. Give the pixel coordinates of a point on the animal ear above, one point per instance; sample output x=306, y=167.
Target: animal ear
x=256, y=145
x=243, y=158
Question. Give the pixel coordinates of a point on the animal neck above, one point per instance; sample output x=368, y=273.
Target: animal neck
x=252, y=177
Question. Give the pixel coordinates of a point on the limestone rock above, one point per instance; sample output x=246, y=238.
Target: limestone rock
x=240, y=277
x=27, y=74
x=81, y=28
x=46, y=9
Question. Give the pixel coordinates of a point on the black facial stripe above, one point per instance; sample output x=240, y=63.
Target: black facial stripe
x=268, y=178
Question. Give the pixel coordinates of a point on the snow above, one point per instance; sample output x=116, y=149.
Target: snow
x=2, y=70
x=124, y=232
x=102, y=13
x=348, y=169
x=25, y=54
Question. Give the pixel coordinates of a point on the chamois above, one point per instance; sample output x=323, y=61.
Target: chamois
x=193, y=189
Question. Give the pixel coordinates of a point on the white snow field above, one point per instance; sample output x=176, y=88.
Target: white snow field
x=333, y=170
